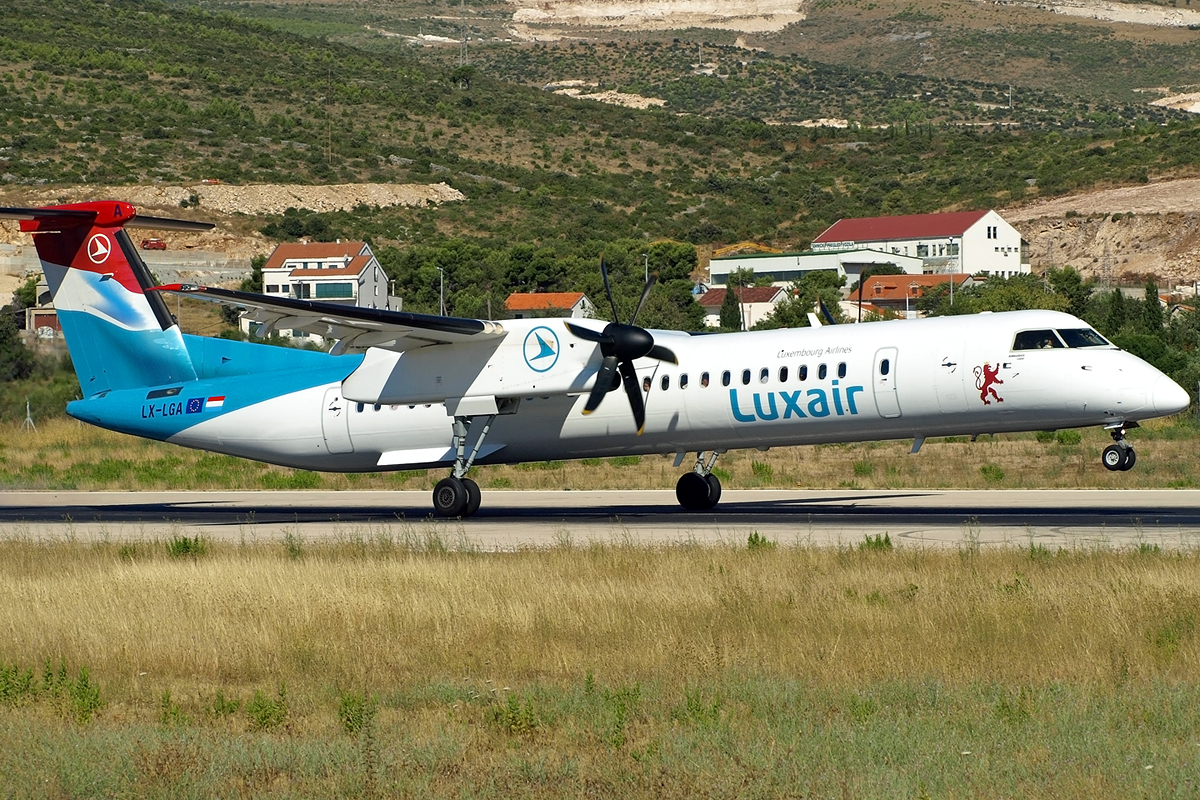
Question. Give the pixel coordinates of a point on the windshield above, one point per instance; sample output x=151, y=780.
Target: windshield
x=1083, y=337
x=1036, y=340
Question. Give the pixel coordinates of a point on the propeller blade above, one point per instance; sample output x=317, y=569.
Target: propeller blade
x=589, y=334
x=634, y=392
x=604, y=384
x=608, y=288
x=663, y=354
x=645, y=293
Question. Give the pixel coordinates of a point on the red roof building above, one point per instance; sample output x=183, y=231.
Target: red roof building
x=523, y=305
x=755, y=302
x=971, y=242
x=899, y=293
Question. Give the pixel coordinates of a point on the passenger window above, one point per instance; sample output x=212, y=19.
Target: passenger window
x=804, y=372
x=745, y=377
x=1036, y=340
x=842, y=370
x=1083, y=337
x=683, y=381
x=361, y=407
x=783, y=374
x=725, y=378
x=703, y=380
x=646, y=384
x=377, y=406
x=822, y=371
x=885, y=367
x=763, y=374
x=666, y=382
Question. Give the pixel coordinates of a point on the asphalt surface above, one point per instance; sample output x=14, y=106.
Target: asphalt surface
x=509, y=519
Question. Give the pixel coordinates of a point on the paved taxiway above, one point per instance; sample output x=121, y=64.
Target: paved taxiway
x=510, y=519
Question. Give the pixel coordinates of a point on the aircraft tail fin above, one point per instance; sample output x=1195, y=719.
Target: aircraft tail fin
x=120, y=336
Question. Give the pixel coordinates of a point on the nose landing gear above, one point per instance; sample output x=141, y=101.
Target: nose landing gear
x=700, y=490
x=1120, y=455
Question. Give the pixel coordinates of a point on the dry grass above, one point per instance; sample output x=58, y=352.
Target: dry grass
x=65, y=454
x=605, y=669
x=379, y=613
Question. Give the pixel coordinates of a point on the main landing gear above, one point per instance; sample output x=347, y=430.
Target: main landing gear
x=699, y=489
x=458, y=495
x=1119, y=456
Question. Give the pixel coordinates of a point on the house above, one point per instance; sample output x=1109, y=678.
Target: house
x=784, y=268
x=970, y=242
x=899, y=293
x=344, y=272
x=524, y=305
x=756, y=302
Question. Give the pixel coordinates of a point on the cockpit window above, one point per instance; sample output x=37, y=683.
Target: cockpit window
x=1036, y=340
x=1082, y=337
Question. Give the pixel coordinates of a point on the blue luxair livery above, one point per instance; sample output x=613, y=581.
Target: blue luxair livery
x=402, y=390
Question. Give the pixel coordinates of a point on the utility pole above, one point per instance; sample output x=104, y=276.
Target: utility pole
x=646, y=266
x=462, y=33
x=441, y=291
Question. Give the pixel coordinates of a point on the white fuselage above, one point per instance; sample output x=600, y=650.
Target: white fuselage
x=885, y=380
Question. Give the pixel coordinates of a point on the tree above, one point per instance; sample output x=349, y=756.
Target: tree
x=731, y=309
x=1116, y=312
x=16, y=362
x=1152, y=312
x=804, y=296
x=1070, y=285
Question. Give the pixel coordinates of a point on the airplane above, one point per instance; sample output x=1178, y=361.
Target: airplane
x=403, y=390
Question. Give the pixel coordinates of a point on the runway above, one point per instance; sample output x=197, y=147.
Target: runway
x=513, y=519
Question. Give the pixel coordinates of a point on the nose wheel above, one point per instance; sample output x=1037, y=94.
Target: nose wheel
x=1120, y=455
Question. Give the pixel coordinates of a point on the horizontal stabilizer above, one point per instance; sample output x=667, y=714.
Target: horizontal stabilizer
x=107, y=214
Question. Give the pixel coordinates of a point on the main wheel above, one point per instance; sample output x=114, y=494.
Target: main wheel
x=1130, y=459
x=714, y=489
x=692, y=491
x=450, y=497
x=473, y=497
x=1113, y=457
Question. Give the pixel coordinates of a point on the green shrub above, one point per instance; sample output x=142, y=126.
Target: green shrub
x=991, y=473
x=879, y=543
x=187, y=547
x=756, y=541
x=863, y=468
x=267, y=713
x=356, y=711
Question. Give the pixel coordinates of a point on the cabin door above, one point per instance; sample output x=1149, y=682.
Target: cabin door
x=886, y=398
x=335, y=422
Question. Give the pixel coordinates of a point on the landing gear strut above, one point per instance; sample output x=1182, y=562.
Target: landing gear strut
x=1120, y=455
x=458, y=495
x=699, y=489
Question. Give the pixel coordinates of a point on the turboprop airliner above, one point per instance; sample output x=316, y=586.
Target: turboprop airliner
x=402, y=391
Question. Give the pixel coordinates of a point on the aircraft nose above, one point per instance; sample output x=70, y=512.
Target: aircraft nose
x=1169, y=397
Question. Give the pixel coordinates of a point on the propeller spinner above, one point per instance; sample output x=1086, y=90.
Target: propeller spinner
x=620, y=345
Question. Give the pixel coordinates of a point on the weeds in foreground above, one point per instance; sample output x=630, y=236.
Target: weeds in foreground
x=879, y=543
x=187, y=546
x=76, y=698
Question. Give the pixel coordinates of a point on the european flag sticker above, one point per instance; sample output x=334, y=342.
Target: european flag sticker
x=195, y=405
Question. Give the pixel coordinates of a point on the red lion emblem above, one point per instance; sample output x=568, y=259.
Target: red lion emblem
x=986, y=378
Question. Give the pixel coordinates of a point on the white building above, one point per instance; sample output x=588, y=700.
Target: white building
x=343, y=272
x=784, y=268
x=970, y=242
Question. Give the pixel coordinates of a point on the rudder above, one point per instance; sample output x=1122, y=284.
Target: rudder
x=119, y=336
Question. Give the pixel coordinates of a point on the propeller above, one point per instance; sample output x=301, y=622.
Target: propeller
x=621, y=345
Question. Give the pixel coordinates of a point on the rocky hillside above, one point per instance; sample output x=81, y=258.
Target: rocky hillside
x=1150, y=228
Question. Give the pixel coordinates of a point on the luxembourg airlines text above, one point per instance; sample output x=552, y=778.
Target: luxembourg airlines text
x=800, y=404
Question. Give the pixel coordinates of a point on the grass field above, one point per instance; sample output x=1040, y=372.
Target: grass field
x=64, y=454
x=368, y=668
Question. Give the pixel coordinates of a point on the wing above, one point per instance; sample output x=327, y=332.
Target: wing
x=354, y=328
